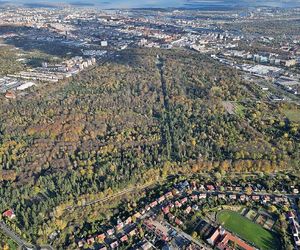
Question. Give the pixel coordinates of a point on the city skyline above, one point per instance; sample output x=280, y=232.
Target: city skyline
x=201, y=4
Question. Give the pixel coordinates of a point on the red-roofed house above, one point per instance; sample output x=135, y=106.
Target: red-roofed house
x=90, y=241
x=153, y=204
x=120, y=226
x=178, y=222
x=194, y=197
x=110, y=232
x=101, y=237
x=178, y=204
x=242, y=197
x=166, y=209
x=10, y=95
x=9, y=214
x=161, y=199
x=128, y=220
x=210, y=187
x=184, y=200
x=124, y=238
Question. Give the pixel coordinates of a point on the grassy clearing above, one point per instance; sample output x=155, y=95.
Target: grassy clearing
x=248, y=230
x=239, y=110
x=292, y=114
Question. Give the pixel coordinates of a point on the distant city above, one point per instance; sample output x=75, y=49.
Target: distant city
x=207, y=5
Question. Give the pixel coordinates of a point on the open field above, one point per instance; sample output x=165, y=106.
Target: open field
x=248, y=230
x=293, y=114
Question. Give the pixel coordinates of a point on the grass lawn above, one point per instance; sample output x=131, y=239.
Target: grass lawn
x=293, y=114
x=248, y=230
x=239, y=110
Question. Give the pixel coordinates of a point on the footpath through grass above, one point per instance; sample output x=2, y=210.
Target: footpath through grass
x=248, y=230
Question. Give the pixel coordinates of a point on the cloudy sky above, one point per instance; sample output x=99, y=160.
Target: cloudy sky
x=169, y=3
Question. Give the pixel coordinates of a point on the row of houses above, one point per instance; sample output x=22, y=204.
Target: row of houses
x=177, y=197
x=113, y=232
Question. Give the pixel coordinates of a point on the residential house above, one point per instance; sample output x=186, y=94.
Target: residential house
x=183, y=200
x=178, y=222
x=232, y=196
x=153, y=204
x=188, y=210
x=221, y=196
x=146, y=246
x=137, y=215
x=171, y=216
x=9, y=214
x=210, y=187
x=195, y=207
x=114, y=244
x=110, y=232
x=166, y=209
x=161, y=199
x=194, y=197
x=81, y=243
x=120, y=226
x=90, y=240
x=101, y=237
x=124, y=238
x=202, y=196
x=10, y=95
x=132, y=232
x=169, y=195
x=128, y=220
x=243, y=197
x=266, y=199
x=178, y=204
x=175, y=191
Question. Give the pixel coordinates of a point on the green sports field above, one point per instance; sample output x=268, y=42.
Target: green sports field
x=248, y=230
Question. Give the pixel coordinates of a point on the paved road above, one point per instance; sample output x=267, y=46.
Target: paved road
x=21, y=242
x=10, y=233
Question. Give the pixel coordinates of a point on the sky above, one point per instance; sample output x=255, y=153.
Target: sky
x=167, y=3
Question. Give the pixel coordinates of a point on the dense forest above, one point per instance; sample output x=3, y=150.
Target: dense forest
x=130, y=120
